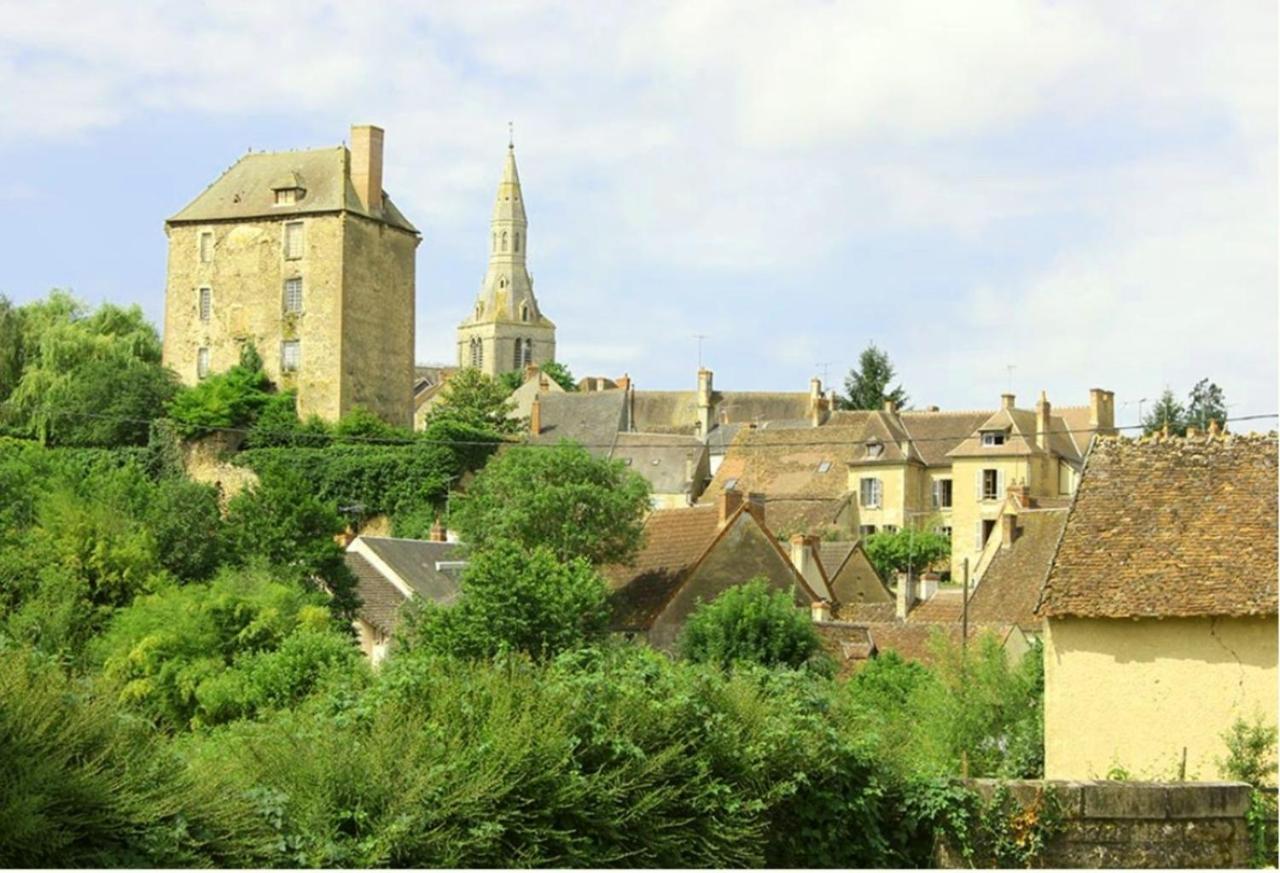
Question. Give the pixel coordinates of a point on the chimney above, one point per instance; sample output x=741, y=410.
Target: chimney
x=1006, y=401
x=1008, y=529
x=804, y=559
x=906, y=595
x=346, y=538
x=818, y=407
x=366, y=166
x=928, y=587
x=704, y=401
x=755, y=503
x=890, y=407
x=438, y=533
x=1192, y=431
x=1102, y=411
x=820, y=610
x=1042, y=422
x=730, y=500
x=530, y=371
x=689, y=470
x=535, y=416
x=1021, y=492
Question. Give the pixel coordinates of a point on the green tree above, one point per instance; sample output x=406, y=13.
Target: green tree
x=363, y=425
x=893, y=552
x=557, y=496
x=867, y=386
x=185, y=520
x=280, y=521
x=473, y=398
x=1167, y=412
x=223, y=400
x=751, y=623
x=278, y=424
x=1206, y=403
x=10, y=347
x=513, y=600
x=561, y=374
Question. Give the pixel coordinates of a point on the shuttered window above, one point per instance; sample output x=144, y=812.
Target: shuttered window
x=990, y=484
x=205, y=303
x=869, y=492
x=942, y=494
x=293, y=240
x=293, y=295
x=290, y=356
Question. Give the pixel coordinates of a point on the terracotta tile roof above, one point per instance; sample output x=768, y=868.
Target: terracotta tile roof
x=379, y=599
x=760, y=406
x=867, y=612
x=849, y=644
x=934, y=434
x=674, y=541
x=1170, y=528
x=1020, y=425
x=946, y=605
x=1010, y=587
x=916, y=641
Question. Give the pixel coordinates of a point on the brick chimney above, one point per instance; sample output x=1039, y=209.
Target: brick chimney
x=535, y=416
x=1021, y=492
x=366, y=166
x=1043, y=420
x=820, y=611
x=1006, y=401
x=1102, y=411
x=1008, y=529
x=705, y=391
x=819, y=408
x=438, y=533
x=755, y=503
x=728, y=503
x=531, y=371
x=906, y=595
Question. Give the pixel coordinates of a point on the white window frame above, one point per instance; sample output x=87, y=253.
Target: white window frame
x=939, y=486
x=300, y=228
x=202, y=362
x=204, y=253
x=984, y=495
x=873, y=499
x=285, y=346
x=292, y=310
x=204, y=302
x=992, y=438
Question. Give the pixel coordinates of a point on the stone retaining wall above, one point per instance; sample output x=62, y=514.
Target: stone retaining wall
x=1135, y=824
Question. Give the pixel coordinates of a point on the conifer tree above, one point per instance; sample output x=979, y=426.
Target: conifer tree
x=866, y=386
x=1167, y=412
x=1206, y=403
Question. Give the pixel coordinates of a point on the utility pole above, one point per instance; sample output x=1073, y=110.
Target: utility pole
x=964, y=609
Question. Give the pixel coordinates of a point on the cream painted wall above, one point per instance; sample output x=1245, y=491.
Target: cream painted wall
x=968, y=508
x=893, y=488
x=1134, y=693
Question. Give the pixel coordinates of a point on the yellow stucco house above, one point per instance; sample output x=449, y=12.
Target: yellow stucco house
x=1160, y=607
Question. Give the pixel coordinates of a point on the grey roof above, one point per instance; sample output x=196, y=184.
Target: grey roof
x=591, y=419
x=246, y=189
x=665, y=411
x=833, y=554
x=760, y=406
x=415, y=562
x=660, y=458
x=379, y=600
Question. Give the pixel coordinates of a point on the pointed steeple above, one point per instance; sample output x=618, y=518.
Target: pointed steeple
x=509, y=224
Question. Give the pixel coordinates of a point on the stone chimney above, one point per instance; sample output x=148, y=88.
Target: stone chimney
x=820, y=610
x=1021, y=492
x=690, y=470
x=366, y=166
x=1043, y=420
x=818, y=405
x=1008, y=529
x=705, y=391
x=624, y=382
x=535, y=416
x=890, y=407
x=728, y=503
x=438, y=533
x=1006, y=401
x=531, y=371
x=928, y=586
x=804, y=558
x=906, y=595
x=1102, y=411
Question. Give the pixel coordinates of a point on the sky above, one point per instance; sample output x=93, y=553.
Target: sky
x=1002, y=195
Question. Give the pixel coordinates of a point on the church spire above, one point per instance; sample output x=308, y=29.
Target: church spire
x=508, y=211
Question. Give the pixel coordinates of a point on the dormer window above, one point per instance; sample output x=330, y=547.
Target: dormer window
x=288, y=189
x=875, y=448
x=993, y=438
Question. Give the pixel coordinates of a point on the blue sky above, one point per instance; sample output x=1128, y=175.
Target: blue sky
x=1085, y=191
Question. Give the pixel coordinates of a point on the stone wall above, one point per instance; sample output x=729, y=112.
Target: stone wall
x=1134, y=824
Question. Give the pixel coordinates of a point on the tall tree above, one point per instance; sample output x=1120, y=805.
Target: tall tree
x=472, y=397
x=1206, y=403
x=867, y=386
x=1167, y=412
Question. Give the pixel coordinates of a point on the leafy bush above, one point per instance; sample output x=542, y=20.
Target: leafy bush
x=893, y=552
x=560, y=497
x=752, y=623
x=474, y=399
x=517, y=601
x=223, y=400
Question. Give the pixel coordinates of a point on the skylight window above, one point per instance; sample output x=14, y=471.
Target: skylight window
x=824, y=466
x=731, y=484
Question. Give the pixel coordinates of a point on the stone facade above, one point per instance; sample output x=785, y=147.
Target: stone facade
x=507, y=331
x=319, y=277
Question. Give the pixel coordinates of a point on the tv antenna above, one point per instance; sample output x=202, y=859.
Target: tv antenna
x=699, y=337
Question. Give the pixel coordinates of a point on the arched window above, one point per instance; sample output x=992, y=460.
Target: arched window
x=524, y=311
x=502, y=283
x=517, y=360
x=517, y=241
x=504, y=240
x=524, y=353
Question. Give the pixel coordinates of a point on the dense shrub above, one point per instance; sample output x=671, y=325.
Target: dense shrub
x=231, y=399
x=893, y=552
x=751, y=623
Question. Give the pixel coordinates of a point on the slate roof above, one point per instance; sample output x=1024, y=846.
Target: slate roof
x=245, y=190
x=660, y=458
x=379, y=599
x=674, y=541
x=761, y=406
x=415, y=561
x=665, y=411
x=934, y=434
x=591, y=418
x=1170, y=528
x=1010, y=587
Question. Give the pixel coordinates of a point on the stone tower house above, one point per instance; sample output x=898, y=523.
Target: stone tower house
x=506, y=330
x=302, y=254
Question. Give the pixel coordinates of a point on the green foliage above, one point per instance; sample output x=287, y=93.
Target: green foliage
x=1167, y=412
x=283, y=523
x=71, y=375
x=517, y=601
x=277, y=424
x=867, y=385
x=186, y=525
x=1251, y=752
x=560, y=497
x=751, y=623
x=1206, y=403
x=561, y=375
x=205, y=654
x=1002, y=833
x=223, y=400
x=893, y=552
x=473, y=398
x=85, y=787
x=362, y=425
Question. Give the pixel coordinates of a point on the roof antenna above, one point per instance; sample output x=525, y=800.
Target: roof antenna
x=699, y=337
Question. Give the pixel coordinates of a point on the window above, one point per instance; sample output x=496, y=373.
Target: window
x=874, y=449
x=866, y=530
x=477, y=352
x=993, y=438
x=985, y=529
x=293, y=241
x=869, y=492
x=205, y=303
x=202, y=363
x=943, y=530
x=524, y=311
x=206, y=246
x=290, y=356
x=730, y=484
x=824, y=466
x=293, y=295
x=504, y=240
x=890, y=528
x=516, y=247
x=942, y=494
x=286, y=196
x=991, y=484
